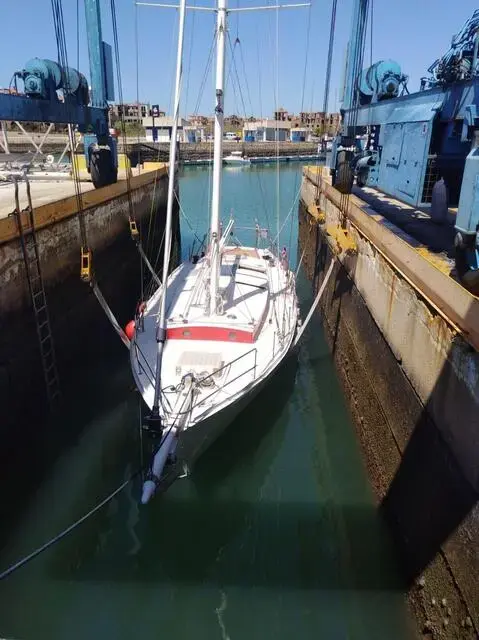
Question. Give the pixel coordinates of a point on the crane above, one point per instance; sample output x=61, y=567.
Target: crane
x=40, y=101
x=409, y=144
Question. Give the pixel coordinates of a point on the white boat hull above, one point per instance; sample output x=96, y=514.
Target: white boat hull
x=194, y=442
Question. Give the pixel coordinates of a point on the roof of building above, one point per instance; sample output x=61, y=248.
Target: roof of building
x=268, y=124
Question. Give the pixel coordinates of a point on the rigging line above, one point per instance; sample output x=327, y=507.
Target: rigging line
x=182, y=211
x=303, y=92
x=232, y=79
x=237, y=19
x=59, y=27
x=120, y=95
x=296, y=198
x=235, y=68
x=137, y=72
x=244, y=113
x=372, y=25
x=138, y=159
x=131, y=212
x=259, y=74
x=190, y=52
x=31, y=556
x=263, y=197
x=327, y=81
x=205, y=74
x=245, y=77
x=78, y=34
x=125, y=145
x=277, y=127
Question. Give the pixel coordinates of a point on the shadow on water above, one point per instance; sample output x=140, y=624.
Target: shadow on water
x=222, y=526
x=87, y=396
x=203, y=511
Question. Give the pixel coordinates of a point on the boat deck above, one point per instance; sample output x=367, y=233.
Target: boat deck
x=235, y=348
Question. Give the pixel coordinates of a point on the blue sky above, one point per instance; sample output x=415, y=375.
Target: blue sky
x=413, y=32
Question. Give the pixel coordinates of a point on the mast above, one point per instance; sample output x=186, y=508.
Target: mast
x=161, y=326
x=215, y=256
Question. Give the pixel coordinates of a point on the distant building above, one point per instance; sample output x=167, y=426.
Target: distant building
x=194, y=134
x=283, y=116
x=199, y=121
x=132, y=113
x=312, y=118
x=300, y=134
x=233, y=121
x=161, y=130
x=266, y=131
x=326, y=122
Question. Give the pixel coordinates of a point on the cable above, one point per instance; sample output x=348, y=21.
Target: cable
x=31, y=556
x=189, y=61
x=78, y=34
x=372, y=25
x=205, y=75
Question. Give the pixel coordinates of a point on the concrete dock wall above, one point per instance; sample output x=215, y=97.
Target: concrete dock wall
x=79, y=326
x=411, y=375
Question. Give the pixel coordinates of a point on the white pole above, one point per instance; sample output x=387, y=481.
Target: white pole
x=5, y=139
x=217, y=156
x=161, y=328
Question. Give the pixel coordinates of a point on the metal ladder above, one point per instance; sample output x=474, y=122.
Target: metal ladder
x=31, y=257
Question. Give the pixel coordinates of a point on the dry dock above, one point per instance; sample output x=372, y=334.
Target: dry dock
x=405, y=339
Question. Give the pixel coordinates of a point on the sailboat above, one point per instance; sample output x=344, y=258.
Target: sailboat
x=212, y=336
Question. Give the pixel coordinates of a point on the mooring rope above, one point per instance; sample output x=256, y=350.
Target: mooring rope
x=34, y=554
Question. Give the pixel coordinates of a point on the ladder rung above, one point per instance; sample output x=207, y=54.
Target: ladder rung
x=47, y=337
x=39, y=293
x=34, y=261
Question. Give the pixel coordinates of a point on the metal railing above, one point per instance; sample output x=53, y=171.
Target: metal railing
x=215, y=373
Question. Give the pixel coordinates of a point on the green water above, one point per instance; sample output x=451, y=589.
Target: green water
x=275, y=535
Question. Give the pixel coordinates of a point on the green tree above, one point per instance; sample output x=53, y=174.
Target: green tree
x=129, y=128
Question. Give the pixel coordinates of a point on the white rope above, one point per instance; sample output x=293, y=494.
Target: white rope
x=110, y=316
x=65, y=532
x=315, y=303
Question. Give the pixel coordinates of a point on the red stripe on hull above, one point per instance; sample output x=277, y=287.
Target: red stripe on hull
x=216, y=334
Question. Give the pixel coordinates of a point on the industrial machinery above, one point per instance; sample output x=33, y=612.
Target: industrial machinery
x=421, y=148
x=42, y=79
x=59, y=94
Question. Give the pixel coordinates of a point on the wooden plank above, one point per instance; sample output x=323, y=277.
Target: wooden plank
x=449, y=296
x=54, y=212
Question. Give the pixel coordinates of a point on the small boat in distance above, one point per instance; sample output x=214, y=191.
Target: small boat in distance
x=236, y=157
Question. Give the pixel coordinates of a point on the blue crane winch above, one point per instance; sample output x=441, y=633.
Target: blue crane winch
x=409, y=145
x=88, y=109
